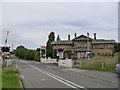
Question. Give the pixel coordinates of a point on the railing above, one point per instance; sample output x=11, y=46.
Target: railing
x=7, y=62
x=94, y=63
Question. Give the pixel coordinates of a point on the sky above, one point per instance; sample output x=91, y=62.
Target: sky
x=30, y=23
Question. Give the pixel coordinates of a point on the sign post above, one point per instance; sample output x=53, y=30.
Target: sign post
x=43, y=47
x=60, y=52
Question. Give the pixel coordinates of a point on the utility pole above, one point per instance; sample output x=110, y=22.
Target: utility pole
x=12, y=47
x=40, y=52
x=87, y=44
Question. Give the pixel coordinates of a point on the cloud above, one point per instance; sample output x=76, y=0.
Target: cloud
x=32, y=22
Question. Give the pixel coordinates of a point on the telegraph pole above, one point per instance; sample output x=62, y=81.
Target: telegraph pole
x=12, y=47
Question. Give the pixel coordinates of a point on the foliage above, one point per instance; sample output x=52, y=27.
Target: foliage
x=37, y=56
x=38, y=49
x=58, y=38
x=43, y=51
x=69, y=53
x=119, y=57
x=54, y=53
x=49, y=48
x=109, y=63
x=23, y=53
x=117, y=47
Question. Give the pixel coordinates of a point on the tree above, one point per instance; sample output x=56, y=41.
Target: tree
x=37, y=56
x=58, y=38
x=117, y=47
x=20, y=47
x=49, y=48
x=19, y=51
x=54, y=53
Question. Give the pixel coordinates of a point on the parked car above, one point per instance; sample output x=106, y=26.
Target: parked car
x=117, y=69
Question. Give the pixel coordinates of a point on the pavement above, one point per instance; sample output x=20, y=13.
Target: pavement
x=40, y=75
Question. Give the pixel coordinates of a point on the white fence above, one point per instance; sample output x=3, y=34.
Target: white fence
x=48, y=60
x=7, y=62
x=65, y=63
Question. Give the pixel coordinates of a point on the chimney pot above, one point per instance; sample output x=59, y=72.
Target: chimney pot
x=75, y=35
x=69, y=37
x=87, y=34
x=95, y=36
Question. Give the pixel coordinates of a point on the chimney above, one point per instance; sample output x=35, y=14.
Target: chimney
x=87, y=34
x=69, y=37
x=75, y=35
x=94, y=36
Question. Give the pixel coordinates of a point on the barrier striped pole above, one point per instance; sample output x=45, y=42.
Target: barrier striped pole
x=6, y=38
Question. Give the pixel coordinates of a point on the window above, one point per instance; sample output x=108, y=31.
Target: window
x=99, y=54
x=82, y=44
x=78, y=44
x=93, y=47
x=85, y=44
x=93, y=54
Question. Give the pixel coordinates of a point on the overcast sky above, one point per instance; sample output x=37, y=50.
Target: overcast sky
x=30, y=23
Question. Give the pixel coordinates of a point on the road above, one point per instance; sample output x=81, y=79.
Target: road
x=39, y=75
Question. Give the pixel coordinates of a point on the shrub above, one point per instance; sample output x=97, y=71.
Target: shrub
x=36, y=56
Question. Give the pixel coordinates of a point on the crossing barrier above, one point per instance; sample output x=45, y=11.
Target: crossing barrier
x=65, y=63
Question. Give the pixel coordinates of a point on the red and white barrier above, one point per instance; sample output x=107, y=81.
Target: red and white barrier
x=65, y=63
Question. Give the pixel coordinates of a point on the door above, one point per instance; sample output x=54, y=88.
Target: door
x=78, y=55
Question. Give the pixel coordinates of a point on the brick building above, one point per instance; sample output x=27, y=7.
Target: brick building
x=82, y=44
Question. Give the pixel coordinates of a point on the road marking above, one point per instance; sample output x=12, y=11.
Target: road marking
x=68, y=83
x=43, y=79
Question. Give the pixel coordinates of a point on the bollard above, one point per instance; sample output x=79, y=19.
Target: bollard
x=102, y=64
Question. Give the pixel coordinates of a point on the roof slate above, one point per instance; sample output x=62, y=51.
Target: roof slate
x=103, y=41
x=67, y=42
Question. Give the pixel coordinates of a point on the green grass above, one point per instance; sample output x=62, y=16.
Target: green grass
x=109, y=64
x=10, y=78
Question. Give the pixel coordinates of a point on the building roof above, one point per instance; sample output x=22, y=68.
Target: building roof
x=82, y=37
x=103, y=41
x=65, y=42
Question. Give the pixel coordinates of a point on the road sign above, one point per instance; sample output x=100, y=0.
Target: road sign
x=5, y=49
x=43, y=47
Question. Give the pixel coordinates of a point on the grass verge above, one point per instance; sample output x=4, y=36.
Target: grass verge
x=10, y=78
x=109, y=64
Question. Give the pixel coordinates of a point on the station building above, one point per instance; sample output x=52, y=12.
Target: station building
x=83, y=44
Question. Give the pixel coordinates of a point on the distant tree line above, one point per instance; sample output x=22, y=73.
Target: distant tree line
x=23, y=53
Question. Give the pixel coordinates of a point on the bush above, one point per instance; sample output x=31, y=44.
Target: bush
x=68, y=53
x=37, y=56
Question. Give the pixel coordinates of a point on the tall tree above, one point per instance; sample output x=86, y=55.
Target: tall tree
x=58, y=38
x=117, y=47
x=49, y=48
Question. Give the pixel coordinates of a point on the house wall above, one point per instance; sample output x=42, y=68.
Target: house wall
x=66, y=47
x=102, y=49
x=82, y=44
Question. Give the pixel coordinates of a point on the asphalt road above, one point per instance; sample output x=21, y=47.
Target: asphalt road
x=39, y=75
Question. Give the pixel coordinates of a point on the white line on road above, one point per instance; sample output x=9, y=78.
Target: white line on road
x=68, y=83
